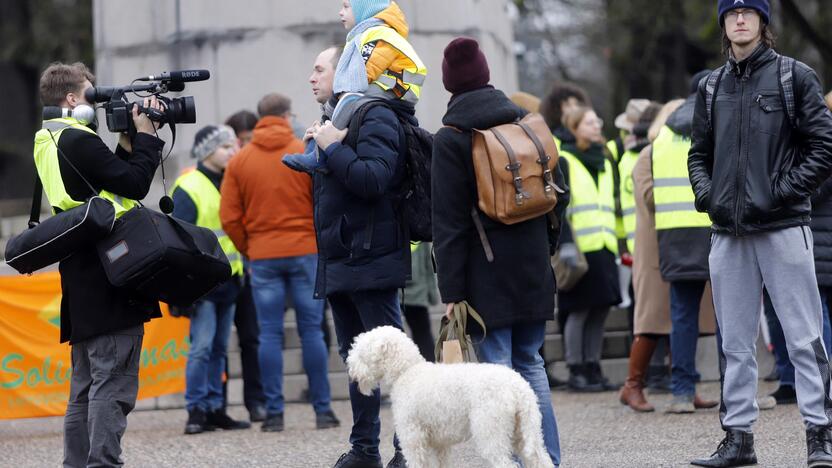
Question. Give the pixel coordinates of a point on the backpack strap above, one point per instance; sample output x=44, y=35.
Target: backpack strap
x=785, y=76
x=549, y=187
x=711, y=88
x=357, y=119
x=619, y=146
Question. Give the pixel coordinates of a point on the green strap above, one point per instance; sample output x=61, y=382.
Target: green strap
x=455, y=329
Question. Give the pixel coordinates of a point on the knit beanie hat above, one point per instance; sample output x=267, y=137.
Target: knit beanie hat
x=464, y=67
x=209, y=138
x=366, y=9
x=724, y=6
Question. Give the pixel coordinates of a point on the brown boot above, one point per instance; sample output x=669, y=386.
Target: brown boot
x=632, y=393
x=699, y=403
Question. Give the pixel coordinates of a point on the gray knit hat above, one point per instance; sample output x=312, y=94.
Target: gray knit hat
x=209, y=138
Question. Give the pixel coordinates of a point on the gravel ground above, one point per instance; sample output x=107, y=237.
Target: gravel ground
x=595, y=431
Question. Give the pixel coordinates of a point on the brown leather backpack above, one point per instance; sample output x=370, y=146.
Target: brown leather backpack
x=514, y=164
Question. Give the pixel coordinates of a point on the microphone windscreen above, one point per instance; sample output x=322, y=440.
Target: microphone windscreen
x=166, y=204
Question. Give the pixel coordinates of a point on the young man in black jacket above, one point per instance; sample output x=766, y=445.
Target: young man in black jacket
x=103, y=324
x=753, y=171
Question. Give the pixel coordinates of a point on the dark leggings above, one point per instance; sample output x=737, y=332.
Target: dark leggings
x=418, y=320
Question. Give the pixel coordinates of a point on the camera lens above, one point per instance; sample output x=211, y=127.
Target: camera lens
x=182, y=110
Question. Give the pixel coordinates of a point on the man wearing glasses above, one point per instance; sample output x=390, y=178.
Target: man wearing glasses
x=762, y=144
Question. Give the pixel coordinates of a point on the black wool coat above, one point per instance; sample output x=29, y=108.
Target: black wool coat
x=519, y=286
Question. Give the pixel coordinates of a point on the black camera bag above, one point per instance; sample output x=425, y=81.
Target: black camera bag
x=59, y=236
x=162, y=258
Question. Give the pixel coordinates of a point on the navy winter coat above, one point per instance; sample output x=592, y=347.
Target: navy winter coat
x=361, y=241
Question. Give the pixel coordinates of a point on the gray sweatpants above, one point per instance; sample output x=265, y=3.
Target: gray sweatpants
x=103, y=390
x=784, y=262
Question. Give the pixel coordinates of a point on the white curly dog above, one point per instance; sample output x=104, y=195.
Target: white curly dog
x=436, y=406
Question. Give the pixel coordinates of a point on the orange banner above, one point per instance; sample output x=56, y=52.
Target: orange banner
x=35, y=369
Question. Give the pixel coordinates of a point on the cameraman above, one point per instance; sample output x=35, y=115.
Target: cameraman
x=103, y=325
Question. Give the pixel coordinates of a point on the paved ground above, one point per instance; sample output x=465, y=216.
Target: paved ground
x=595, y=432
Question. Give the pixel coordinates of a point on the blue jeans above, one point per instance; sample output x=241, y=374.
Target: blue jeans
x=210, y=328
x=518, y=347
x=785, y=369
x=685, y=300
x=271, y=281
x=353, y=314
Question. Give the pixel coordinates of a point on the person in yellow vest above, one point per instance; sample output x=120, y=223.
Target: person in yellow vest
x=652, y=322
x=104, y=325
x=419, y=295
x=196, y=198
x=591, y=230
x=562, y=98
x=684, y=245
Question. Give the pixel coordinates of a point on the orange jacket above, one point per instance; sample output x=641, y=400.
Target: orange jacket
x=384, y=56
x=266, y=208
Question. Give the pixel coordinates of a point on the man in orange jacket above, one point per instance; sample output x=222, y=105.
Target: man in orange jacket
x=266, y=210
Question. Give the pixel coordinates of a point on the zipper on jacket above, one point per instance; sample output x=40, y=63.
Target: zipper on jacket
x=739, y=160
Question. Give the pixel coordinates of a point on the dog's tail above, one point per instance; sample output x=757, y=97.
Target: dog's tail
x=528, y=435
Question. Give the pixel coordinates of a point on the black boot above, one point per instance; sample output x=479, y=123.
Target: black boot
x=785, y=395
x=353, y=460
x=326, y=420
x=819, y=447
x=579, y=381
x=596, y=376
x=658, y=380
x=397, y=461
x=197, y=422
x=273, y=423
x=736, y=449
x=222, y=420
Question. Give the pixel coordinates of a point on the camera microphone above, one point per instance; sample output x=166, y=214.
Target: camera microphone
x=166, y=204
x=182, y=76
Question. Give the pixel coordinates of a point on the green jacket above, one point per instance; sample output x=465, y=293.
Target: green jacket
x=421, y=290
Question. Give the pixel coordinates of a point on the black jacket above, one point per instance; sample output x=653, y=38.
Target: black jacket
x=683, y=252
x=361, y=240
x=754, y=172
x=822, y=233
x=519, y=286
x=91, y=306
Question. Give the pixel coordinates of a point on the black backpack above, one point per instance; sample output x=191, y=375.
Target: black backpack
x=414, y=192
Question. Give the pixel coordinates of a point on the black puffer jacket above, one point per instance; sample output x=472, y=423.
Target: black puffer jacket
x=754, y=172
x=683, y=252
x=822, y=233
x=519, y=286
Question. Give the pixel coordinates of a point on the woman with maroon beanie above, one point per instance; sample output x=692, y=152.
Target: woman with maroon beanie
x=514, y=294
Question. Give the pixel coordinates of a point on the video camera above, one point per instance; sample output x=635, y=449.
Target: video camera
x=175, y=110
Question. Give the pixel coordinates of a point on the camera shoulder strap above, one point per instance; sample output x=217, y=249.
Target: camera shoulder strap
x=37, y=199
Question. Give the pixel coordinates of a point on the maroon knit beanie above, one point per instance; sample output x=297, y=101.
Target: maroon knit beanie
x=464, y=67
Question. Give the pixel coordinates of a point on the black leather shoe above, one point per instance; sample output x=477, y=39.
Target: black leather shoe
x=397, y=461
x=736, y=449
x=819, y=447
x=222, y=420
x=273, y=423
x=326, y=420
x=257, y=414
x=596, y=376
x=197, y=422
x=785, y=395
x=353, y=460
x=579, y=380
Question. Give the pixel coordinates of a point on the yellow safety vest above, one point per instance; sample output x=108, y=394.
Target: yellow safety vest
x=672, y=191
x=591, y=210
x=49, y=170
x=613, y=149
x=206, y=197
x=628, y=199
x=407, y=85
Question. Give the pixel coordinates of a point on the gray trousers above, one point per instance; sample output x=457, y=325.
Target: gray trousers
x=782, y=260
x=584, y=335
x=103, y=389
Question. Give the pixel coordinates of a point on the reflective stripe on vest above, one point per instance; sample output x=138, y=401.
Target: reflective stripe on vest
x=206, y=197
x=628, y=199
x=406, y=85
x=672, y=191
x=591, y=210
x=49, y=169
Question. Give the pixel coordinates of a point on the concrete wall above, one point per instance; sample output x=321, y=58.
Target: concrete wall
x=260, y=46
